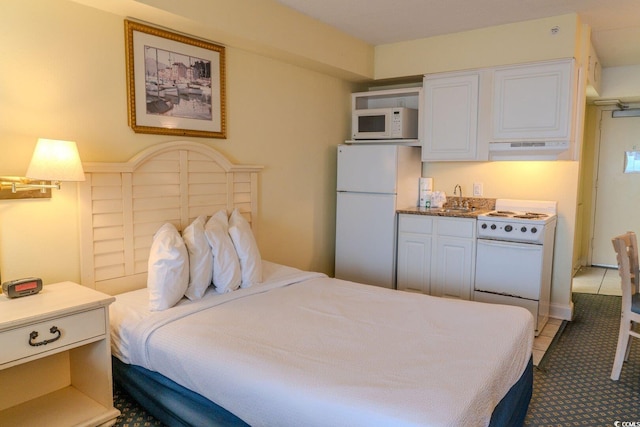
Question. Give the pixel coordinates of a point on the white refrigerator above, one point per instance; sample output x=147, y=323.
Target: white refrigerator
x=374, y=181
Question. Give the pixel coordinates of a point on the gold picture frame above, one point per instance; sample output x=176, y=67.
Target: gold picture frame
x=175, y=84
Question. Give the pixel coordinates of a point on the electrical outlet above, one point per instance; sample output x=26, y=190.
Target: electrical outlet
x=477, y=189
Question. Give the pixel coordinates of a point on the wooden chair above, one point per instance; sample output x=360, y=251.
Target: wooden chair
x=626, y=247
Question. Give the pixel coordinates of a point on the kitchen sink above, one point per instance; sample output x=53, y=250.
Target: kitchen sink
x=455, y=210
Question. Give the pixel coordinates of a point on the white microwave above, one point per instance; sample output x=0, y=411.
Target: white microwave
x=385, y=123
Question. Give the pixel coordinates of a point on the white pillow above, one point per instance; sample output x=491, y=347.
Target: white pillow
x=226, y=266
x=247, y=249
x=200, y=259
x=168, y=268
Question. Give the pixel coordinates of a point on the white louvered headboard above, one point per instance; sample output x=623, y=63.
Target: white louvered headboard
x=123, y=204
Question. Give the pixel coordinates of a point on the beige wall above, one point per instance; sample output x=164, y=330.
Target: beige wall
x=621, y=83
x=535, y=180
x=288, y=107
x=506, y=44
x=264, y=27
x=499, y=45
x=64, y=77
x=586, y=188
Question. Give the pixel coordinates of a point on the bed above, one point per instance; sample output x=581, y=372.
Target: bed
x=297, y=348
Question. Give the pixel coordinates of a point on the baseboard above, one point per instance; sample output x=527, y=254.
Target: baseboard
x=576, y=266
x=561, y=311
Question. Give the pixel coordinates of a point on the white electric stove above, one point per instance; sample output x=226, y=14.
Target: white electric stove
x=514, y=256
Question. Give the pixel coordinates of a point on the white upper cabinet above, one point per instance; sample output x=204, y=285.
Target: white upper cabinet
x=450, y=117
x=455, y=116
x=533, y=102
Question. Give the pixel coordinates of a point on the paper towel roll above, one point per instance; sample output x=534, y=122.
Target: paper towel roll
x=426, y=184
x=425, y=187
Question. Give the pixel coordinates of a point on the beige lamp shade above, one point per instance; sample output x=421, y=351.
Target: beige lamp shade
x=55, y=160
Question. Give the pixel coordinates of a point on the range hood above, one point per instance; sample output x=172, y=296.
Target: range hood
x=527, y=150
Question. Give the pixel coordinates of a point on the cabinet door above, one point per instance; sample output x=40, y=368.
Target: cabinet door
x=533, y=101
x=414, y=262
x=454, y=268
x=450, y=117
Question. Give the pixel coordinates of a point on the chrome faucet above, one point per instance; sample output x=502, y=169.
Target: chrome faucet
x=455, y=190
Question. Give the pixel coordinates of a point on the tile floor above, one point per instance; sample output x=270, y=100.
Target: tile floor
x=588, y=280
x=597, y=280
x=542, y=342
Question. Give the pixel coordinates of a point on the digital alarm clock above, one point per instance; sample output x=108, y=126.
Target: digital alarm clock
x=22, y=287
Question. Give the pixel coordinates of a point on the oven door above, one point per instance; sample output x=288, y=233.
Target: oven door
x=508, y=268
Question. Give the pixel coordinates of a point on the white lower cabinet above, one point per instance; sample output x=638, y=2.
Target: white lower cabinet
x=415, y=243
x=436, y=255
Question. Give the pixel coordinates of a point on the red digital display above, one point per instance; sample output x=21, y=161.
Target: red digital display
x=26, y=286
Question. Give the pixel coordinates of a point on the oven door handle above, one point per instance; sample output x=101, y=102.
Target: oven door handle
x=504, y=244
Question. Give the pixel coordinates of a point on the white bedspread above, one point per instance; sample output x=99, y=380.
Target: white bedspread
x=306, y=350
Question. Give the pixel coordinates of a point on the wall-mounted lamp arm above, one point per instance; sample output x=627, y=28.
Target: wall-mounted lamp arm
x=53, y=161
x=17, y=183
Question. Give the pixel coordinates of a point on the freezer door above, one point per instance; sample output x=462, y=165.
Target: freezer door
x=367, y=168
x=366, y=238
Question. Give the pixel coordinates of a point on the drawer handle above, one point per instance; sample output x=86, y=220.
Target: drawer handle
x=33, y=335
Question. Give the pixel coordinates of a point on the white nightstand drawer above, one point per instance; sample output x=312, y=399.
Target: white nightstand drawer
x=71, y=329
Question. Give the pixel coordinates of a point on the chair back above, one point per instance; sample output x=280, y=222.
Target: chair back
x=626, y=247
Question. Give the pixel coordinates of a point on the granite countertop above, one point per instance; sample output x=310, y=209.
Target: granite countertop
x=476, y=205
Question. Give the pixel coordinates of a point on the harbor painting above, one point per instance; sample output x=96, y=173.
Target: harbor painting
x=176, y=84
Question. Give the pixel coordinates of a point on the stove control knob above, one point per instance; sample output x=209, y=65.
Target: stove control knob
x=493, y=226
x=508, y=228
x=523, y=229
x=484, y=226
x=534, y=230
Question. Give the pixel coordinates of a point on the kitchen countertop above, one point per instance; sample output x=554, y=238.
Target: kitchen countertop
x=478, y=206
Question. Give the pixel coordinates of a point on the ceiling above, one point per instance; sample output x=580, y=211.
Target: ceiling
x=615, y=24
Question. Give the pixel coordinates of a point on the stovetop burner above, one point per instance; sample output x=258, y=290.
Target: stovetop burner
x=501, y=213
x=531, y=215
x=517, y=221
x=521, y=215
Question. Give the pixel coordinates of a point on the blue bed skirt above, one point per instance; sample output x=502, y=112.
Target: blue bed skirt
x=512, y=409
x=168, y=401
x=175, y=405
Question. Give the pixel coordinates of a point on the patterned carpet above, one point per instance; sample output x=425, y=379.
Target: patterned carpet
x=571, y=385
x=131, y=414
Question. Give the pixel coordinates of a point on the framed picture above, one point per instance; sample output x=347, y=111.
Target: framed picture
x=175, y=83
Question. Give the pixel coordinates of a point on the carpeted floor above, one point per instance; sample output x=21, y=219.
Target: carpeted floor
x=571, y=385
x=131, y=414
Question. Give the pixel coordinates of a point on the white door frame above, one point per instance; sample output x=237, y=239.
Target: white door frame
x=594, y=178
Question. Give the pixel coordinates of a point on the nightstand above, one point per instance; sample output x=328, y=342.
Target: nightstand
x=55, y=358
